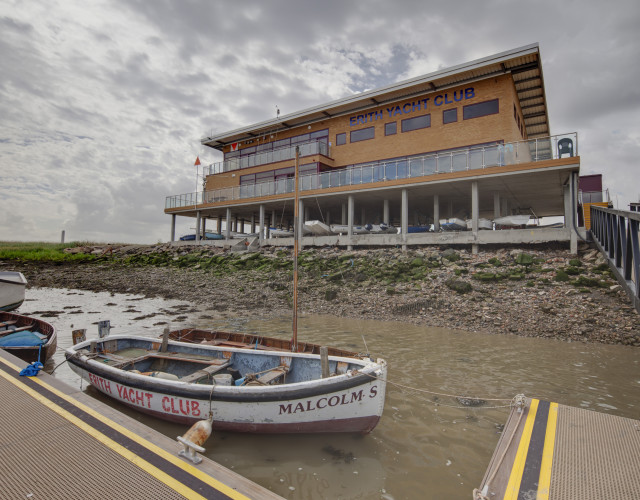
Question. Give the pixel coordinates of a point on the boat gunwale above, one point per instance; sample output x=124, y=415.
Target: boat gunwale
x=296, y=390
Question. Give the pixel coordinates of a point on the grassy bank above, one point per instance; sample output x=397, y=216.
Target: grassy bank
x=41, y=251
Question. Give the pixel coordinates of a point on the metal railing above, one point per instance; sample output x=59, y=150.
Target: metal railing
x=546, y=148
x=266, y=157
x=615, y=233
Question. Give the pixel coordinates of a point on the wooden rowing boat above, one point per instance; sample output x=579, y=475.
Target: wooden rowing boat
x=26, y=337
x=246, y=390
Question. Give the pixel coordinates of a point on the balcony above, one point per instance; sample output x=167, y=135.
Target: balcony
x=535, y=150
x=266, y=157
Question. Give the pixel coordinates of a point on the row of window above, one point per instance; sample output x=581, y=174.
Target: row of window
x=270, y=175
x=318, y=135
x=423, y=121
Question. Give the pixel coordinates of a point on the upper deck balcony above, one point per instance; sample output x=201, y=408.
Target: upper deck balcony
x=266, y=157
x=411, y=168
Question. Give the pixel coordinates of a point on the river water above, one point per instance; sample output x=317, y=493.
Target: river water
x=425, y=446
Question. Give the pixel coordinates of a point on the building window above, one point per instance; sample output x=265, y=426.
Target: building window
x=450, y=115
x=341, y=139
x=391, y=128
x=416, y=123
x=363, y=134
x=480, y=109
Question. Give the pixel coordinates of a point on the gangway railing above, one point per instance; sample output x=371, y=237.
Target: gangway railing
x=615, y=233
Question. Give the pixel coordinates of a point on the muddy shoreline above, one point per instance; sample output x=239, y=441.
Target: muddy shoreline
x=533, y=292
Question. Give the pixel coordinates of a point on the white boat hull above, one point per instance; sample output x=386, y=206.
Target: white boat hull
x=12, y=288
x=512, y=220
x=349, y=402
x=318, y=228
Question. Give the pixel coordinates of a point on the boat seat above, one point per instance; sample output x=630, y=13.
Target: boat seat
x=207, y=371
x=273, y=375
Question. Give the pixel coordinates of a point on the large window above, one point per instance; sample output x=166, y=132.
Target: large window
x=363, y=134
x=450, y=116
x=391, y=128
x=341, y=139
x=480, y=109
x=416, y=123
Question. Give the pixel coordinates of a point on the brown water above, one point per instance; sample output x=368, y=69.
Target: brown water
x=419, y=450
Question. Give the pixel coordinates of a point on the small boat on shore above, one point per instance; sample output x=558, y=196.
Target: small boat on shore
x=12, y=287
x=280, y=233
x=245, y=390
x=318, y=228
x=510, y=221
x=453, y=224
x=30, y=339
x=485, y=224
x=381, y=228
x=344, y=229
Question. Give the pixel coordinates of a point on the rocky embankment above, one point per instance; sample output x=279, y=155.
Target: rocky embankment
x=541, y=292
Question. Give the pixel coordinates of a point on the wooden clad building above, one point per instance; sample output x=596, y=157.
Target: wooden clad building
x=471, y=141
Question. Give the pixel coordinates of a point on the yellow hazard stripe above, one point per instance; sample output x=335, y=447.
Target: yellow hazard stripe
x=544, y=482
x=513, y=486
x=143, y=464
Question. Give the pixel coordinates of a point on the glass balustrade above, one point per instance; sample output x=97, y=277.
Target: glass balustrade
x=541, y=149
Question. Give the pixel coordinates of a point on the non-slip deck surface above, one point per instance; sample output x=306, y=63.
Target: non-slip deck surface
x=597, y=456
x=46, y=456
x=556, y=452
x=59, y=443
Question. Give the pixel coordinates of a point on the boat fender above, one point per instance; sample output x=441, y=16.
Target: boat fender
x=240, y=381
x=194, y=438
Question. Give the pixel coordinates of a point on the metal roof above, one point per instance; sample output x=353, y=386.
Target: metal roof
x=524, y=64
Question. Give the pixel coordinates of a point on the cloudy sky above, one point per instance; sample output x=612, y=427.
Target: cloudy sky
x=103, y=103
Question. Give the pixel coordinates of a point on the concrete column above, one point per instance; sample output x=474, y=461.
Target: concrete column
x=404, y=217
x=385, y=212
x=204, y=228
x=569, y=214
x=475, y=211
x=350, y=221
x=343, y=219
x=436, y=213
x=363, y=217
x=306, y=214
x=219, y=224
x=496, y=205
x=173, y=228
x=227, y=231
x=261, y=224
x=504, y=206
x=253, y=222
x=273, y=219
x=198, y=225
x=328, y=218
x=235, y=224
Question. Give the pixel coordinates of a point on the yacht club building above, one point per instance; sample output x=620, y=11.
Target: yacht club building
x=471, y=142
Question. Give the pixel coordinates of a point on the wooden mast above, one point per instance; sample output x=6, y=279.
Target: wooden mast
x=296, y=235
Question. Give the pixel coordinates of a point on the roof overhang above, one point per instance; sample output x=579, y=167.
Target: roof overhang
x=524, y=64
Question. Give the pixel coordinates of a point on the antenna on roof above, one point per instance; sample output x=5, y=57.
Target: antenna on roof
x=277, y=112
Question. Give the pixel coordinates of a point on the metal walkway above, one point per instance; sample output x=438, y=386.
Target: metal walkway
x=556, y=452
x=57, y=442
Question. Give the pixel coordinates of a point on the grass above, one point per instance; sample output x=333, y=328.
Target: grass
x=41, y=251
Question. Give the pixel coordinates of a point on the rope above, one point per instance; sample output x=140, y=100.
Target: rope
x=512, y=401
x=519, y=402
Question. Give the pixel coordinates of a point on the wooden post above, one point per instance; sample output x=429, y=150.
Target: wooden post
x=79, y=336
x=165, y=339
x=324, y=361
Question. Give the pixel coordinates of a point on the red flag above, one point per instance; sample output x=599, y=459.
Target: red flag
x=234, y=146
x=197, y=161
